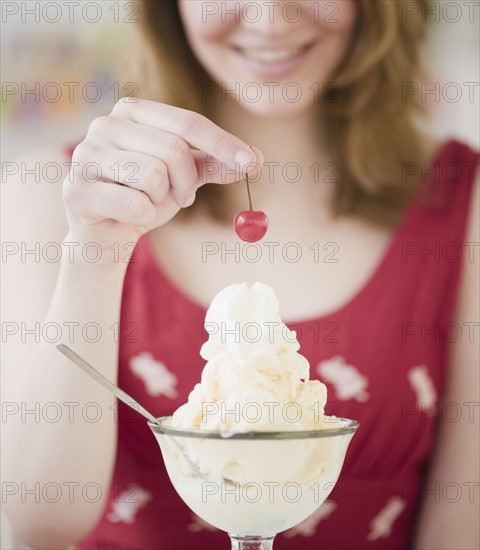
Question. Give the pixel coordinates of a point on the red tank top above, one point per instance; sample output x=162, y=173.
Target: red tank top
x=382, y=357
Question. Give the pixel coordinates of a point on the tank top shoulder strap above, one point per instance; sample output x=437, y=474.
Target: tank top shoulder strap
x=446, y=183
x=430, y=244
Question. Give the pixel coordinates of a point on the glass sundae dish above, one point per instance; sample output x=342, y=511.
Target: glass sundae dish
x=252, y=452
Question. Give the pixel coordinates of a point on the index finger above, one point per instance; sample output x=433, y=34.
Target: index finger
x=194, y=128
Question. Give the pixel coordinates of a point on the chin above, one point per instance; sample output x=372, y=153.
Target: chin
x=277, y=109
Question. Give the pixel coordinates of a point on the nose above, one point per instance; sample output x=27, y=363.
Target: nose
x=271, y=19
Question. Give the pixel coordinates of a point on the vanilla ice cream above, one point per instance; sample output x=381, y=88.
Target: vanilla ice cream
x=254, y=378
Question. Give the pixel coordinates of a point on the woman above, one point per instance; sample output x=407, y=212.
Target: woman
x=319, y=92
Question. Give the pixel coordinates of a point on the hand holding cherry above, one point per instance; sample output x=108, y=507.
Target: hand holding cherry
x=250, y=225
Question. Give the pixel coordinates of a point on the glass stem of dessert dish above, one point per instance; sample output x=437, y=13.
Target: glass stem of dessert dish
x=252, y=452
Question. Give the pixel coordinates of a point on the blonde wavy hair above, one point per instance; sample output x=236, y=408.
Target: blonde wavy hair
x=372, y=131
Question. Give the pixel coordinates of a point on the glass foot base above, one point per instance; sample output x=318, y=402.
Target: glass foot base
x=251, y=543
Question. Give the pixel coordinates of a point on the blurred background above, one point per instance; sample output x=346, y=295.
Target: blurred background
x=60, y=63
x=56, y=75
x=59, y=69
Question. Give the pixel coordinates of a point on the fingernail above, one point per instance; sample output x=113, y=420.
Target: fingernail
x=188, y=202
x=244, y=157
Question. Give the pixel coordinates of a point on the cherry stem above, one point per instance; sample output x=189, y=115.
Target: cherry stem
x=248, y=191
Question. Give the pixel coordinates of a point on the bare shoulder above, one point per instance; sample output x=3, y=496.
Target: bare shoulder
x=466, y=351
x=469, y=295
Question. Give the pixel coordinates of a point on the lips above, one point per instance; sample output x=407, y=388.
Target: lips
x=273, y=61
x=272, y=55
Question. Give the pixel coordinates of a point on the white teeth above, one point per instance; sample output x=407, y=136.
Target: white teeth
x=271, y=55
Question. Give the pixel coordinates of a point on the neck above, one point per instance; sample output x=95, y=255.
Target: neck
x=294, y=155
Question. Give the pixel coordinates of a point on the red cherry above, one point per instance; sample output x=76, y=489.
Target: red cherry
x=251, y=225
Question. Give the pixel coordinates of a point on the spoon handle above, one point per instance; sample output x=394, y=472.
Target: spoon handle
x=86, y=367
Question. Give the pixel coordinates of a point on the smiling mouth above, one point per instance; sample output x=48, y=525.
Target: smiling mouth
x=277, y=55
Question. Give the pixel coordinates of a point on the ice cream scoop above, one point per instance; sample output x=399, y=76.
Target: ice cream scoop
x=255, y=379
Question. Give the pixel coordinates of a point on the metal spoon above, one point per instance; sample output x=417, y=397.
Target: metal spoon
x=120, y=394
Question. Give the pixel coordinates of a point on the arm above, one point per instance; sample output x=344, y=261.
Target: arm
x=36, y=452
x=65, y=454
x=447, y=524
